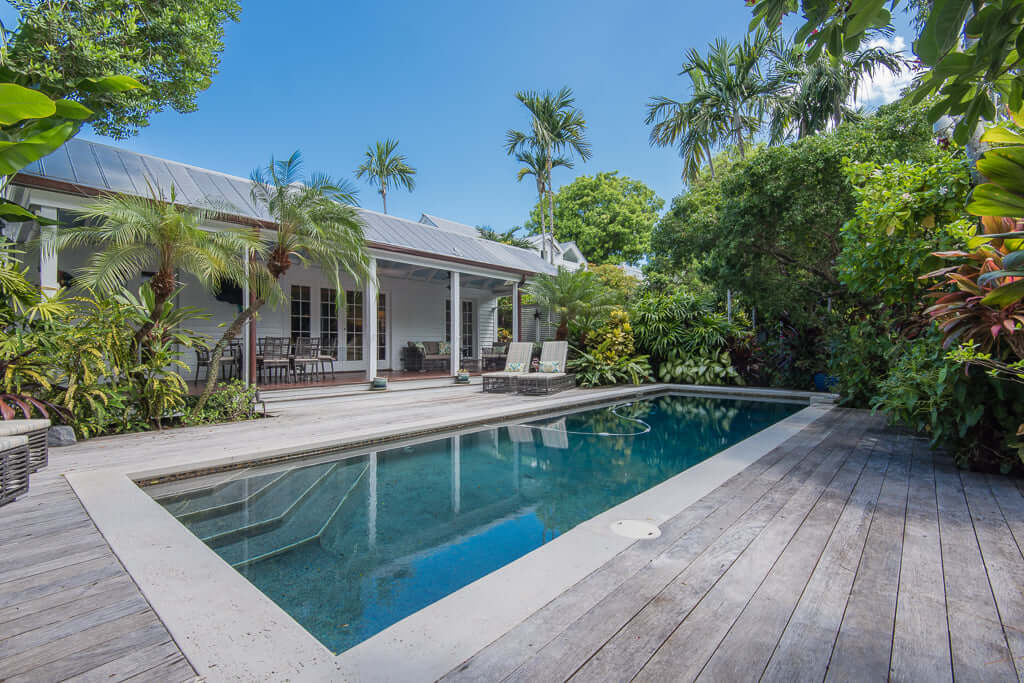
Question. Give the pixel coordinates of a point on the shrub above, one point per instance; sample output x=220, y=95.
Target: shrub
x=711, y=369
x=609, y=358
x=974, y=414
x=233, y=401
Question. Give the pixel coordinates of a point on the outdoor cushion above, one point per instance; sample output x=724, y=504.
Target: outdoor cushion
x=431, y=348
x=550, y=366
x=16, y=427
x=444, y=348
x=515, y=367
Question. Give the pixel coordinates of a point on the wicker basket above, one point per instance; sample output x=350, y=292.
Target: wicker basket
x=13, y=467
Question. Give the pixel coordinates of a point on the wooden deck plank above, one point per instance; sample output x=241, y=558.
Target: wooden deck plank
x=863, y=647
x=63, y=597
x=33, y=586
x=920, y=649
x=152, y=658
x=810, y=516
x=630, y=648
x=796, y=612
x=978, y=644
x=1003, y=561
x=590, y=631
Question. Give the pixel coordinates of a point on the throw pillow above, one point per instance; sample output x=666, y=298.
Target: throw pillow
x=419, y=347
x=550, y=366
x=444, y=348
x=515, y=366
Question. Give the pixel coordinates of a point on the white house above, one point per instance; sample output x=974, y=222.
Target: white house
x=566, y=254
x=421, y=267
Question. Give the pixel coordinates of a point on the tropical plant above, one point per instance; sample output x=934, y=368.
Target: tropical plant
x=383, y=168
x=535, y=164
x=569, y=294
x=969, y=48
x=594, y=371
x=812, y=95
x=608, y=216
x=730, y=94
x=682, y=367
x=134, y=234
x=557, y=129
x=66, y=49
x=660, y=321
x=315, y=223
x=233, y=401
x=508, y=237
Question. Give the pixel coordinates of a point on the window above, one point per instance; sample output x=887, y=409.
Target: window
x=382, y=331
x=329, y=322
x=353, y=325
x=300, y=311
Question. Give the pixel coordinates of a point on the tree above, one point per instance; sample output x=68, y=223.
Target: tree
x=815, y=94
x=969, y=47
x=557, y=127
x=383, y=168
x=769, y=228
x=315, y=223
x=609, y=216
x=508, y=237
x=136, y=234
x=618, y=281
x=569, y=295
x=729, y=95
x=536, y=165
x=172, y=47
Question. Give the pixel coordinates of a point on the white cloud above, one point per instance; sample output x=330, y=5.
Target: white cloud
x=885, y=86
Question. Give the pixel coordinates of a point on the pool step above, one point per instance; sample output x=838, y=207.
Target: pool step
x=263, y=554
x=302, y=523
x=269, y=511
x=184, y=499
x=215, y=510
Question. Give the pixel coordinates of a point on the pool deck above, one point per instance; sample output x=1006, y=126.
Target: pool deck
x=849, y=552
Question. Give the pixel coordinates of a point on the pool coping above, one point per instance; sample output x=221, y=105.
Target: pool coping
x=229, y=630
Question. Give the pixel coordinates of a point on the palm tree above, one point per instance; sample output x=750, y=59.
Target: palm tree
x=570, y=294
x=537, y=166
x=556, y=127
x=136, y=234
x=814, y=95
x=729, y=97
x=508, y=237
x=383, y=169
x=316, y=223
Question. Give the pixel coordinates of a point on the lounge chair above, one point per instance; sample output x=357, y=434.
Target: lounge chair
x=552, y=376
x=13, y=467
x=36, y=432
x=517, y=363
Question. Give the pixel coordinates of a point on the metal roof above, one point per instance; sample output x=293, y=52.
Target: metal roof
x=105, y=168
x=449, y=226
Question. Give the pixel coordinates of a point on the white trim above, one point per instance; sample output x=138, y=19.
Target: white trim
x=370, y=304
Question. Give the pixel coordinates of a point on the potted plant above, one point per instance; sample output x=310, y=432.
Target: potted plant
x=462, y=376
x=379, y=384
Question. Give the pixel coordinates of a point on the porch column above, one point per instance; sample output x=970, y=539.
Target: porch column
x=248, y=376
x=48, y=257
x=370, y=320
x=456, y=473
x=371, y=503
x=515, y=311
x=456, y=327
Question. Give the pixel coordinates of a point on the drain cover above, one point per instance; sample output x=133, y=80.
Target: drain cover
x=633, y=528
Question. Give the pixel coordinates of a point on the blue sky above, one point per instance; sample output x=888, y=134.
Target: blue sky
x=329, y=78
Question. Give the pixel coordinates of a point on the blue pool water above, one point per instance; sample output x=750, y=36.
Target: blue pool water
x=352, y=545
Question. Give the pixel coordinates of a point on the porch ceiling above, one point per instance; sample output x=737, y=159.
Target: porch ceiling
x=415, y=273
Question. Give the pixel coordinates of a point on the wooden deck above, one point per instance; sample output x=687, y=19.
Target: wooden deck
x=849, y=553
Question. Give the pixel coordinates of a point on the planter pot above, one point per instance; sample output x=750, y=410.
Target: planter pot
x=462, y=378
x=379, y=384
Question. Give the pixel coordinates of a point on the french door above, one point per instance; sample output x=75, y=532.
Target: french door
x=352, y=334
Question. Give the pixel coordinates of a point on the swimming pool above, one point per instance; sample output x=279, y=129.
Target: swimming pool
x=348, y=546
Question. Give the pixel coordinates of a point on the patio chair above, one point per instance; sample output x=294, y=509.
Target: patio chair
x=275, y=357
x=231, y=361
x=307, y=356
x=13, y=467
x=517, y=363
x=552, y=376
x=328, y=355
x=202, y=361
x=36, y=432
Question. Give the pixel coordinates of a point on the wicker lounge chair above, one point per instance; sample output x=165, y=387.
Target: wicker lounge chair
x=517, y=363
x=552, y=376
x=13, y=467
x=35, y=431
